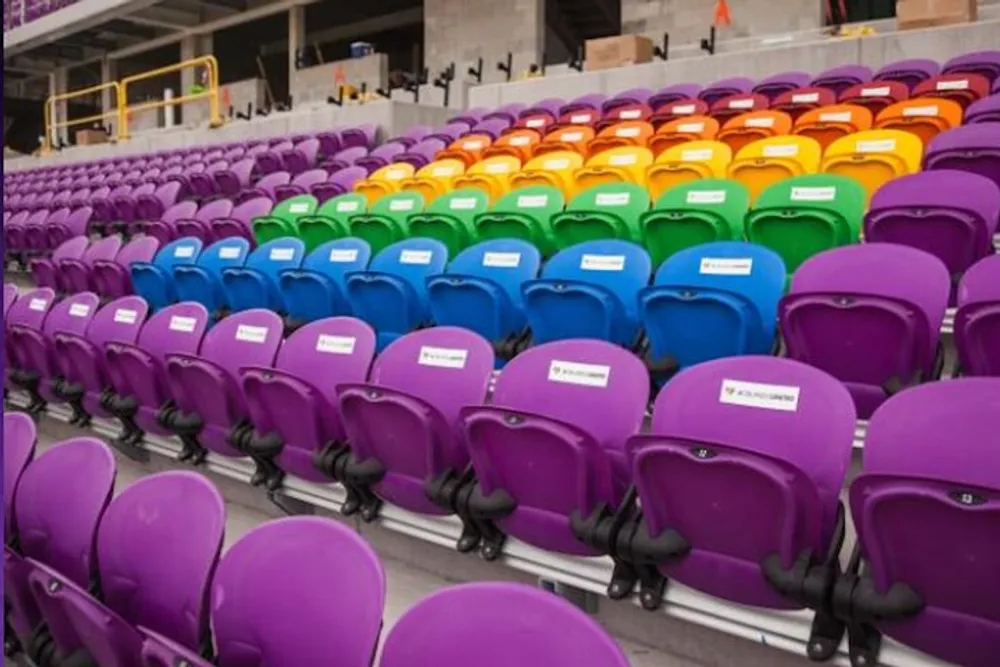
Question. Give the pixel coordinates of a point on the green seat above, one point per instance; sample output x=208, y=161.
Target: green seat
x=694, y=213
x=525, y=214
x=451, y=219
x=606, y=211
x=385, y=222
x=281, y=222
x=802, y=216
x=330, y=221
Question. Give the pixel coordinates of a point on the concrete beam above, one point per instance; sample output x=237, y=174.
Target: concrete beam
x=389, y=21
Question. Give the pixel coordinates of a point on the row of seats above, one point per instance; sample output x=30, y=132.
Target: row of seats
x=20, y=12
x=290, y=592
x=557, y=456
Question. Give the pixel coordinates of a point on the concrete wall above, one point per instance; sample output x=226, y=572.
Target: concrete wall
x=241, y=93
x=315, y=84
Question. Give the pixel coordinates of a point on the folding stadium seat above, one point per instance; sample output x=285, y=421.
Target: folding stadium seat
x=626, y=98
x=234, y=178
x=986, y=110
x=950, y=214
x=33, y=240
x=468, y=149
x=19, y=439
x=874, y=157
x=164, y=228
x=971, y=148
x=152, y=206
x=625, y=113
x=265, y=187
x=255, y=283
x=923, y=116
x=737, y=85
x=385, y=221
x=963, y=89
x=839, y=79
x=523, y=214
x=778, y=84
x=829, y=123
x=317, y=288
x=202, y=184
x=983, y=63
x=435, y=179
x=751, y=126
x=519, y=144
x=330, y=220
x=491, y=175
x=571, y=404
x=760, y=164
x=673, y=93
x=301, y=157
x=337, y=184
x=694, y=213
x=154, y=280
x=15, y=235
x=875, y=96
x=383, y=156
x=687, y=162
x=301, y=184
x=385, y=181
x=625, y=133
x=202, y=281
x=802, y=216
x=587, y=102
x=977, y=335
x=44, y=270
x=76, y=274
x=909, y=72
x=712, y=301
x=59, y=501
x=77, y=223
x=423, y=153
x=9, y=296
x=451, y=622
x=732, y=106
x=929, y=468
x=283, y=219
x=627, y=164
x=269, y=161
x=683, y=130
x=26, y=313
x=111, y=277
x=157, y=547
x=571, y=138
x=870, y=315
x=607, y=211
x=553, y=169
x=450, y=219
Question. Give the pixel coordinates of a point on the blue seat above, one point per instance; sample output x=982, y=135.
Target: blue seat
x=317, y=289
x=154, y=281
x=202, y=282
x=711, y=301
x=391, y=295
x=589, y=290
x=255, y=284
x=482, y=290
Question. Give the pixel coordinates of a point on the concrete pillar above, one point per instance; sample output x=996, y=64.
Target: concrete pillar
x=59, y=111
x=296, y=39
x=109, y=73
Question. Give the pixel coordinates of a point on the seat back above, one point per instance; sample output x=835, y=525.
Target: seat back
x=971, y=148
x=682, y=130
x=111, y=278
x=610, y=210
x=748, y=127
x=154, y=281
x=873, y=157
x=384, y=181
x=842, y=77
x=875, y=95
x=255, y=283
x=554, y=169
x=525, y=214
x=977, y=321
x=910, y=72
x=923, y=116
x=828, y=123
x=687, y=162
x=626, y=164
x=385, y=221
x=19, y=439
x=765, y=162
x=491, y=175
x=731, y=106
x=450, y=219
x=799, y=101
x=963, y=88
x=435, y=179
x=283, y=218
x=45, y=270
x=330, y=221
x=317, y=289
x=620, y=133
x=202, y=282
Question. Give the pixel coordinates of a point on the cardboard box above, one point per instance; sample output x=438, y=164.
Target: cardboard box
x=913, y=14
x=610, y=52
x=90, y=137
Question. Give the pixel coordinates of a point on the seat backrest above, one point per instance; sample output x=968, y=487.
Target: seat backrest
x=220, y=208
x=398, y=205
x=248, y=338
x=118, y=322
x=31, y=308
x=222, y=254
x=19, y=439
x=72, y=249
x=292, y=209
x=620, y=267
x=412, y=260
x=72, y=314
x=182, y=251
x=176, y=329
x=139, y=249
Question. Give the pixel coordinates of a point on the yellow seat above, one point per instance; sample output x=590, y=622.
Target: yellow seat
x=687, y=162
x=874, y=157
x=925, y=117
x=763, y=163
x=434, y=179
x=384, y=181
x=491, y=175
x=554, y=169
x=625, y=164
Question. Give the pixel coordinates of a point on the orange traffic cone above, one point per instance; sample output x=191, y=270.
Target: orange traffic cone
x=722, y=18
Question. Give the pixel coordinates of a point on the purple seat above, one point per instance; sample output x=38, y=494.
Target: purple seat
x=76, y=274
x=985, y=63
x=329, y=142
x=165, y=229
x=301, y=157
x=870, y=315
x=986, y=110
x=412, y=136
x=112, y=277
x=343, y=159
x=508, y=113
x=172, y=173
x=674, y=93
x=13, y=232
x=910, y=72
x=203, y=184
x=590, y=101
x=100, y=201
x=552, y=443
x=19, y=439
x=152, y=206
x=26, y=314
x=34, y=238
x=200, y=225
x=971, y=148
x=79, y=197
x=229, y=182
x=470, y=116
x=950, y=214
x=77, y=223
x=932, y=468
x=137, y=370
x=125, y=203
x=625, y=98
x=269, y=161
x=45, y=269
x=15, y=235
x=773, y=86
x=362, y=135
x=549, y=106
x=9, y=296
x=211, y=411
x=494, y=126
x=238, y=221
x=265, y=187
x=380, y=157
x=977, y=321
x=340, y=183
x=736, y=85
x=157, y=548
x=324, y=576
x=300, y=185
x=448, y=134
x=516, y=621
x=59, y=502
x=421, y=154
x=418, y=385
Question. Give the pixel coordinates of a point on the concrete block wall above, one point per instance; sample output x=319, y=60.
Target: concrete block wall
x=315, y=84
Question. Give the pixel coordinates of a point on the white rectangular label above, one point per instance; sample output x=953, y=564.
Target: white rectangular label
x=613, y=199
x=299, y=207
x=442, y=171
x=182, y=324
x=805, y=98
x=630, y=114
x=623, y=160
x=835, y=117
x=502, y=260
x=79, y=310
x=706, y=197
x=627, y=132
x=335, y=344
x=281, y=254
x=415, y=257
x=931, y=110
x=126, y=316
x=395, y=174
x=555, y=164
x=787, y=150
x=958, y=84
x=767, y=121
x=463, y=203
x=726, y=266
x=682, y=109
x=339, y=255
x=691, y=127
x=229, y=252
x=442, y=357
x=520, y=141
x=579, y=118
x=348, y=206
x=401, y=205
x=472, y=145
x=758, y=395
x=875, y=146
x=571, y=136
x=532, y=201
x=742, y=104
x=875, y=92
x=534, y=122
x=587, y=375
x=498, y=168
x=251, y=334
x=602, y=262
x=814, y=194
x=37, y=304
x=696, y=156
x=184, y=251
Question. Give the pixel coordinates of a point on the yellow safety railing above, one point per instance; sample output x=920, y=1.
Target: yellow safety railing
x=211, y=92
x=49, y=110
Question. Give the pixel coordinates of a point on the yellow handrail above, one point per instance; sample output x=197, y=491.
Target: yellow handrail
x=49, y=112
x=212, y=92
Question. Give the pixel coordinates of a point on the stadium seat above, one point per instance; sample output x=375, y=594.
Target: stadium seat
x=829, y=123
x=799, y=101
x=385, y=221
x=687, y=162
x=77, y=223
x=923, y=116
x=468, y=149
x=238, y=221
x=873, y=157
x=572, y=138
x=265, y=187
x=391, y=295
x=301, y=184
x=767, y=161
x=673, y=93
x=255, y=284
x=731, y=106
x=977, y=326
x=875, y=96
x=450, y=219
x=317, y=288
x=434, y=179
x=283, y=219
x=748, y=127
x=963, y=89
x=201, y=281
x=986, y=110
x=330, y=220
x=737, y=85
x=696, y=212
x=712, y=301
x=626, y=164
x=491, y=175
x=607, y=211
x=802, y=216
x=930, y=468
x=678, y=109
x=154, y=281
x=619, y=134
x=984, y=63
x=588, y=291
x=683, y=130
x=554, y=169
x=26, y=314
x=839, y=79
x=972, y=148
x=44, y=270
x=910, y=72
x=76, y=274
x=523, y=214
x=384, y=181
x=517, y=143
x=870, y=315
x=19, y=440
x=112, y=278
x=164, y=228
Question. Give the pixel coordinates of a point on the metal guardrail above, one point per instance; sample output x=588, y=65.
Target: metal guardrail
x=49, y=110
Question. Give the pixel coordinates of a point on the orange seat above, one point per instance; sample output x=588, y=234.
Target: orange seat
x=491, y=175
x=519, y=143
x=925, y=117
x=682, y=130
x=827, y=124
x=749, y=127
x=469, y=149
x=626, y=133
x=572, y=138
